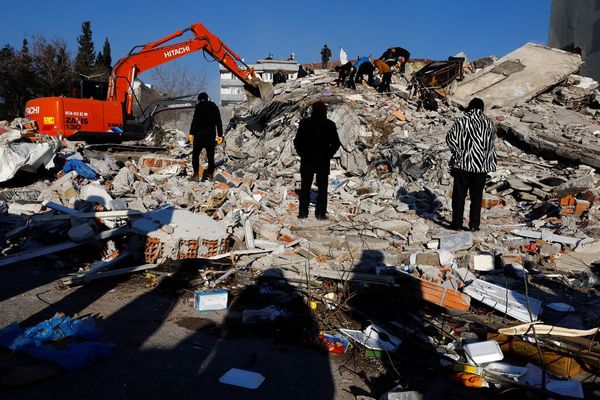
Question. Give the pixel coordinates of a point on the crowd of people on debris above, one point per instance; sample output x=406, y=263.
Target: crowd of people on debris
x=353, y=72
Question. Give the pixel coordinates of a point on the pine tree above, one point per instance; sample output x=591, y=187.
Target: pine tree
x=99, y=60
x=25, y=47
x=84, y=61
x=106, y=58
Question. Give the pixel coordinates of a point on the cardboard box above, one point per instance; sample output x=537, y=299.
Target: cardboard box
x=210, y=300
x=557, y=364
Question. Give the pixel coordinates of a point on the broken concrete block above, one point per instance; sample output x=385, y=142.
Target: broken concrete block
x=268, y=231
x=432, y=258
x=394, y=226
x=123, y=182
x=518, y=76
x=464, y=274
x=227, y=178
x=550, y=250
x=418, y=233
x=195, y=235
x=457, y=241
x=156, y=163
x=430, y=273
x=519, y=185
x=22, y=208
x=575, y=186
x=367, y=242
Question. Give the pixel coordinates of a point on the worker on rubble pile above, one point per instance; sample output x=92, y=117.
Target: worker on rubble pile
x=316, y=142
x=325, y=56
x=385, y=71
x=207, y=131
x=471, y=141
x=395, y=55
x=344, y=72
x=363, y=65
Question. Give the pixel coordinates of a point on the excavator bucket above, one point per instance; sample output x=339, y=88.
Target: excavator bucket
x=260, y=89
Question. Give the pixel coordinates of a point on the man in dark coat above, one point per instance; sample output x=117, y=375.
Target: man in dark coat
x=344, y=72
x=395, y=55
x=206, y=125
x=325, y=56
x=316, y=142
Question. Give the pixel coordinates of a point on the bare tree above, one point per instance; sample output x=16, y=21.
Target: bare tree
x=53, y=66
x=177, y=80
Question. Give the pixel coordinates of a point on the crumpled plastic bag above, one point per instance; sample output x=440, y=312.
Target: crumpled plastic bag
x=81, y=168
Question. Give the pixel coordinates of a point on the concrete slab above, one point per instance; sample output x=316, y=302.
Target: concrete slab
x=518, y=76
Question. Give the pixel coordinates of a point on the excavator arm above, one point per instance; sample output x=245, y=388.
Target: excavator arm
x=120, y=85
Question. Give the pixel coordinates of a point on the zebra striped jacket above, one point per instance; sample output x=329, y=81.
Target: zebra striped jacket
x=471, y=141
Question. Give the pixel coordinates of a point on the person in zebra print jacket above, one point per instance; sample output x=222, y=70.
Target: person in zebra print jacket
x=471, y=141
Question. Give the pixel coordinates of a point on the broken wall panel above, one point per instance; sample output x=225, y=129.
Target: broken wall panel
x=518, y=77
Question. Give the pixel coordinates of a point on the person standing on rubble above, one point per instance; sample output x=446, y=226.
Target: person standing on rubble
x=325, y=56
x=207, y=130
x=316, y=142
x=472, y=143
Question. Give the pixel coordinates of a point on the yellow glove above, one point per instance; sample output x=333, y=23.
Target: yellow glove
x=191, y=138
x=219, y=139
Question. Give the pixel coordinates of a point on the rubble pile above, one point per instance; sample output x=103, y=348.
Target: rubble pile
x=389, y=207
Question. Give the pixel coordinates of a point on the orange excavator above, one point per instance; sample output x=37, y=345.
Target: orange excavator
x=80, y=119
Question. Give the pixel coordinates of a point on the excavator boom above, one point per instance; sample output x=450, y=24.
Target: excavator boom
x=158, y=52
x=81, y=118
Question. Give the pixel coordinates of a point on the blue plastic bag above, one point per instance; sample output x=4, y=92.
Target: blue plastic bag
x=74, y=357
x=81, y=168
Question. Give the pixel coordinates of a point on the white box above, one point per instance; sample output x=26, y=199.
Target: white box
x=483, y=352
x=210, y=300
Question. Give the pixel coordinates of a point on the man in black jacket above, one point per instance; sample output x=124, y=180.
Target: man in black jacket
x=471, y=141
x=316, y=142
x=395, y=55
x=325, y=56
x=206, y=125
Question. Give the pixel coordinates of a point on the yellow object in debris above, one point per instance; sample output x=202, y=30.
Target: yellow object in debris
x=219, y=139
x=191, y=138
x=312, y=304
x=471, y=369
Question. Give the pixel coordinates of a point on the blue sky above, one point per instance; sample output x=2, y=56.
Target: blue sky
x=432, y=29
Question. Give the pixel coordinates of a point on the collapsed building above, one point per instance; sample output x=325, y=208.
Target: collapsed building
x=535, y=259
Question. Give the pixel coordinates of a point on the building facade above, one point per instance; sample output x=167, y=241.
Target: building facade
x=232, y=89
x=575, y=26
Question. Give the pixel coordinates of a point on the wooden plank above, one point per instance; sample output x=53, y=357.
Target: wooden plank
x=55, y=248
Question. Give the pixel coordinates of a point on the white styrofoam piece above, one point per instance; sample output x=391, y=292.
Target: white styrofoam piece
x=483, y=352
x=374, y=337
x=504, y=300
x=242, y=378
x=483, y=262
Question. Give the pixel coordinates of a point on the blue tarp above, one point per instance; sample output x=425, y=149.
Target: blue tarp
x=81, y=168
x=75, y=356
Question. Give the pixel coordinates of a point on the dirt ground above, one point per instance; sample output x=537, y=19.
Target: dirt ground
x=163, y=347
